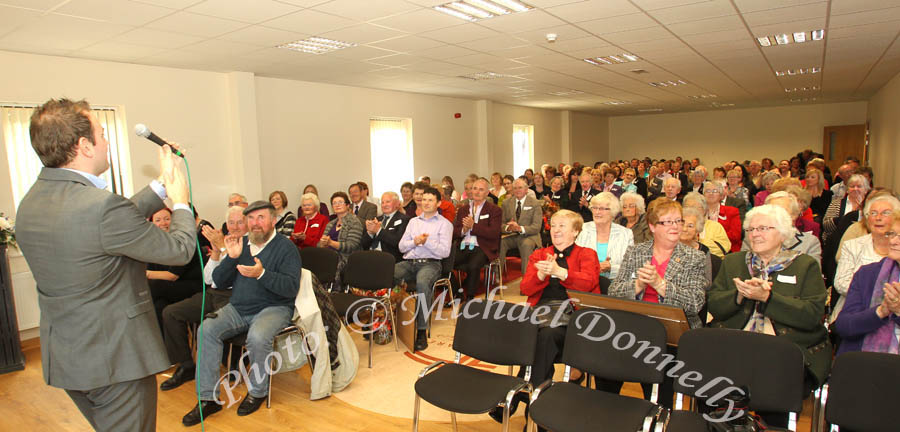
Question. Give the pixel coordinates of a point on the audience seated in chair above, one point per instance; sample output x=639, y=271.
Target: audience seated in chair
x=522, y=219
x=384, y=233
x=308, y=229
x=285, y=219
x=343, y=233
x=172, y=284
x=477, y=228
x=359, y=206
x=607, y=239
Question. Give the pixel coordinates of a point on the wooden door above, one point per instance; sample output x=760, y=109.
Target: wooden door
x=839, y=142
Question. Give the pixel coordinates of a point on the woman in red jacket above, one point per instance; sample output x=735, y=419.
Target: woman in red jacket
x=550, y=272
x=728, y=216
x=311, y=224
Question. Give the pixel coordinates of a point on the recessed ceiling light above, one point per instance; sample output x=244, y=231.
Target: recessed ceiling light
x=703, y=96
x=721, y=105
x=480, y=76
x=797, y=89
x=316, y=45
x=798, y=71
x=650, y=110
x=613, y=59
x=617, y=103
x=474, y=10
x=803, y=99
x=669, y=83
x=566, y=93
x=787, y=38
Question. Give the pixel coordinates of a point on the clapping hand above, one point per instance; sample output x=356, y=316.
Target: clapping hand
x=299, y=236
x=420, y=239
x=891, y=302
x=234, y=245
x=251, y=271
x=513, y=226
x=372, y=226
x=753, y=289
x=605, y=265
x=583, y=201
x=647, y=276
x=215, y=236
x=468, y=222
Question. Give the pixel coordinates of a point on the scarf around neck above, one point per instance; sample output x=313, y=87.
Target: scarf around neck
x=758, y=269
x=883, y=339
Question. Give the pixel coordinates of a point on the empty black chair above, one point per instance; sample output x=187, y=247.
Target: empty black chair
x=863, y=392
x=369, y=270
x=322, y=262
x=771, y=368
x=593, y=346
x=489, y=336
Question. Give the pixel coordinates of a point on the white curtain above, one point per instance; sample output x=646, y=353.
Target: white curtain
x=392, y=154
x=523, y=148
x=24, y=164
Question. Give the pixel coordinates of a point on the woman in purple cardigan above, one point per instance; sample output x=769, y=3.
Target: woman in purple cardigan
x=870, y=320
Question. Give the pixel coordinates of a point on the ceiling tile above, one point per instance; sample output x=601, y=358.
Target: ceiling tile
x=746, y=6
x=171, y=4
x=241, y=10
x=563, y=33
x=361, y=52
x=868, y=17
x=786, y=14
x=222, y=47
x=363, y=34
x=568, y=46
x=790, y=27
x=522, y=21
x=11, y=17
x=116, y=51
x=309, y=22
x=407, y=44
x=366, y=10
x=725, y=23
x=495, y=43
x=393, y=60
x=649, y=5
x=195, y=25
x=444, y=52
x=592, y=10
x=694, y=12
x=474, y=59
x=642, y=35
x=156, y=38
x=59, y=33
x=263, y=36
x=419, y=21
x=839, y=7
x=460, y=33
x=617, y=24
x=121, y=12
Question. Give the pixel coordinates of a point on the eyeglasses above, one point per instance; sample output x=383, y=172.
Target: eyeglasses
x=629, y=206
x=885, y=213
x=760, y=229
x=234, y=203
x=891, y=234
x=593, y=208
x=690, y=226
x=671, y=222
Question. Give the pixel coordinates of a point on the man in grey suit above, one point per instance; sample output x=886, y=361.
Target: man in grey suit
x=522, y=219
x=88, y=250
x=363, y=209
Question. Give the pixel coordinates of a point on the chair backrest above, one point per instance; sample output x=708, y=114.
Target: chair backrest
x=369, y=270
x=492, y=331
x=614, y=345
x=322, y=262
x=447, y=263
x=771, y=367
x=863, y=391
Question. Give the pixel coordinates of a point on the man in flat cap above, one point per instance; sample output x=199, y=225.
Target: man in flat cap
x=263, y=270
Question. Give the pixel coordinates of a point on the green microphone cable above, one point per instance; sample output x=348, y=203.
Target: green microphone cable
x=199, y=334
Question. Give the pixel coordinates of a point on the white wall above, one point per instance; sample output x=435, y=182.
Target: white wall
x=319, y=133
x=884, y=134
x=547, y=135
x=719, y=136
x=589, y=138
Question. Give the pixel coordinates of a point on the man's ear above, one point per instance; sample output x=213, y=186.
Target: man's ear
x=85, y=147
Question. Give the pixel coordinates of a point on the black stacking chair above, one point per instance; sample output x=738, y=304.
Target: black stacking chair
x=568, y=407
x=771, y=368
x=322, y=262
x=462, y=389
x=369, y=270
x=863, y=392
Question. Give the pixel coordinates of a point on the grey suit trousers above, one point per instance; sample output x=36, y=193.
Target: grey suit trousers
x=124, y=406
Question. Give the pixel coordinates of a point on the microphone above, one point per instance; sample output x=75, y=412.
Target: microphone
x=141, y=129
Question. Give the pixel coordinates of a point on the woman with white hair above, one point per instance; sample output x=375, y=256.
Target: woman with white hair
x=609, y=240
x=728, y=216
x=775, y=291
x=870, y=248
x=713, y=234
x=857, y=188
x=801, y=241
x=309, y=228
x=767, y=180
x=633, y=218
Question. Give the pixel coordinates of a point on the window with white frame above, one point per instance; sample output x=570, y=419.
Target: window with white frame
x=523, y=148
x=392, y=154
x=24, y=164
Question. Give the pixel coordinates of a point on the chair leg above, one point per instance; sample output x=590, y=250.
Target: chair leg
x=506, y=418
x=453, y=421
x=390, y=309
x=792, y=421
x=269, y=393
x=372, y=336
x=416, y=414
x=500, y=279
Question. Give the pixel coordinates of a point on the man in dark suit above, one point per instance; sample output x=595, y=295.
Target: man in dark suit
x=580, y=200
x=87, y=249
x=477, y=228
x=363, y=209
x=522, y=217
x=384, y=233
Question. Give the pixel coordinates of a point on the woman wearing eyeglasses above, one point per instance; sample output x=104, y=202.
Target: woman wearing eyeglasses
x=664, y=271
x=871, y=316
x=775, y=291
x=608, y=239
x=870, y=248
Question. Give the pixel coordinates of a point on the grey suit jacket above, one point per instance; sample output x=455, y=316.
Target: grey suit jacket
x=367, y=211
x=530, y=218
x=685, y=277
x=88, y=250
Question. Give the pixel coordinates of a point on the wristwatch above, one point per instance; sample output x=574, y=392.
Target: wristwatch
x=221, y=250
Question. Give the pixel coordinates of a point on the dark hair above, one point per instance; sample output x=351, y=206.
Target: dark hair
x=406, y=185
x=352, y=185
x=340, y=194
x=363, y=185
x=429, y=190
x=867, y=170
x=164, y=208
x=421, y=185
x=56, y=127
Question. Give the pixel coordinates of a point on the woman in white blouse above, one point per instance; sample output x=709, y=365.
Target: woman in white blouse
x=872, y=247
x=610, y=240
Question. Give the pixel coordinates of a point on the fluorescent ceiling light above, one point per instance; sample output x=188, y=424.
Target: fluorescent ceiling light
x=613, y=59
x=455, y=13
x=630, y=57
x=316, y=45
x=566, y=93
x=617, y=103
x=787, y=38
x=818, y=34
x=800, y=37
x=650, y=110
x=667, y=83
x=782, y=39
x=764, y=41
x=798, y=71
x=703, y=96
x=467, y=9
x=514, y=5
x=616, y=59
x=489, y=6
x=480, y=76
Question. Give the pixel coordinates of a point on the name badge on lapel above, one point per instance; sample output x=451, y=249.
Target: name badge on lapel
x=786, y=279
x=526, y=208
x=484, y=216
x=398, y=222
x=314, y=226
